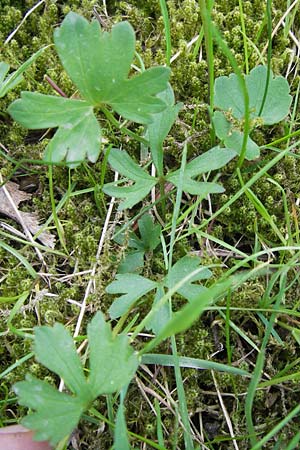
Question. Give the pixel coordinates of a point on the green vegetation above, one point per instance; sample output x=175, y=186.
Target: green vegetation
x=178, y=221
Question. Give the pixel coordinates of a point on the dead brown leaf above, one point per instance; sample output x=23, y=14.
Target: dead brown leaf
x=30, y=220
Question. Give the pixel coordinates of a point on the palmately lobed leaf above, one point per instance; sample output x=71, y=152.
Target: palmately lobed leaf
x=95, y=60
x=112, y=360
x=229, y=95
x=56, y=413
x=132, y=287
x=112, y=366
x=98, y=62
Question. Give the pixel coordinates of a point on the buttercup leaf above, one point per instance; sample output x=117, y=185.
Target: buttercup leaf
x=132, y=287
x=57, y=413
x=213, y=159
x=229, y=96
x=35, y=111
x=112, y=361
x=55, y=349
x=112, y=365
x=161, y=125
x=124, y=164
x=98, y=62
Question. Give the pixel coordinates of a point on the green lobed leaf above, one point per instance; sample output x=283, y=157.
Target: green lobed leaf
x=235, y=142
x=55, y=349
x=180, y=270
x=133, y=262
x=79, y=133
x=132, y=287
x=213, y=159
x=112, y=366
x=57, y=413
x=98, y=62
x=112, y=360
x=150, y=233
x=162, y=316
x=124, y=164
x=233, y=138
x=229, y=96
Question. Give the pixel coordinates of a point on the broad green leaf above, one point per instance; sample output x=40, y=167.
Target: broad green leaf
x=213, y=159
x=135, y=99
x=99, y=62
x=180, y=270
x=112, y=361
x=233, y=138
x=133, y=262
x=229, y=96
x=35, y=111
x=57, y=413
x=96, y=61
x=124, y=164
x=16, y=77
x=278, y=100
x=55, y=349
x=160, y=127
x=221, y=124
x=132, y=287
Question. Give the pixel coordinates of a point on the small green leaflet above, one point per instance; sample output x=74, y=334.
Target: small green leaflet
x=123, y=163
x=229, y=98
x=132, y=287
x=112, y=366
x=180, y=270
x=98, y=62
x=233, y=138
x=213, y=159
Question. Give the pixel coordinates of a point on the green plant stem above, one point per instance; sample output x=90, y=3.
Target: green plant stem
x=179, y=382
x=208, y=36
x=165, y=14
x=54, y=213
x=244, y=37
x=269, y=24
